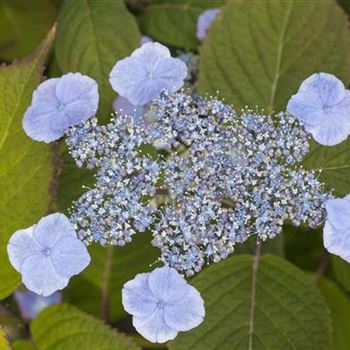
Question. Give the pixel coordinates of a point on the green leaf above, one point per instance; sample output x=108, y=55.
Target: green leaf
x=175, y=22
x=23, y=25
x=64, y=327
x=23, y=345
x=334, y=163
x=26, y=167
x=258, y=52
x=4, y=343
x=303, y=246
x=339, y=306
x=110, y=268
x=72, y=181
x=91, y=37
x=341, y=270
x=256, y=304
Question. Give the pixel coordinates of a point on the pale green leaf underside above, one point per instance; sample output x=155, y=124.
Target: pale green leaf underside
x=26, y=166
x=64, y=327
x=258, y=305
x=91, y=38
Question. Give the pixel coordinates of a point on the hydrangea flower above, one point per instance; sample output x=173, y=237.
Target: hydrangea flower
x=149, y=70
x=31, y=304
x=162, y=304
x=204, y=22
x=336, y=232
x=59, y=103
x=47, y=254
x=322, y=104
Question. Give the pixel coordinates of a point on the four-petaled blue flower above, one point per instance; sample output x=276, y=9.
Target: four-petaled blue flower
x=31, y=304
x=336, y=232
x=162, y=304
x=149, y=70
x=47, y=254
x=205, y=21
x=322, y=104
x=59, y=103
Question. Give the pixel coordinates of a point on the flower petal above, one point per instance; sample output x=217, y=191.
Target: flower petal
x=151, y=54
x=330, y=132
x=125, y=74
x=307, y=107
x=137, y=297
x=143, y=75
x=39, y=276
x=323, y=105
x=205, y=21
x=185, y=313
x=42, y=122
x=337, y=241
x=167, y=284
x=171, y=73
x=154, y=328
x=75, y=87
x=31, y=304
x=51, y=228
x=144, y=92
x=46, y=93
x=21, y=246
x=328, y=87
x=70, y=256
x=338, y=212
x=125, y=108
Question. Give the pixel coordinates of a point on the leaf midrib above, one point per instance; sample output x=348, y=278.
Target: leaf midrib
x=279, y=59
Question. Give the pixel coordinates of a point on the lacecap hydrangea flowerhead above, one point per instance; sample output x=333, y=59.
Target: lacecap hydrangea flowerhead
x=198, y=174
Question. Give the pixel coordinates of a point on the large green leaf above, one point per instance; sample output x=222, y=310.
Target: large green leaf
x=64, y=327
x=258, y=304
x=110, y=268
x=341, y=270
x=339, y=306
x=174, y=22
x=334, y=163
x=22, y=344
x=91, y=36
x=303, y=246
x=23, y=25
x=26, y=167
x=259, y=51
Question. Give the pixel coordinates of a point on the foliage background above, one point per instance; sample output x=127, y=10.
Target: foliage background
x=287, y=294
